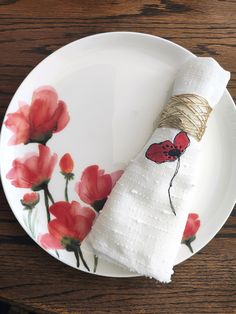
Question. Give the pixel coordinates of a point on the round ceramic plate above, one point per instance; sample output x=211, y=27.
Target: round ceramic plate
x=95, y=102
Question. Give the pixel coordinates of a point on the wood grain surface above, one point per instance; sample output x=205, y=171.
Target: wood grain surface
x=29, y=31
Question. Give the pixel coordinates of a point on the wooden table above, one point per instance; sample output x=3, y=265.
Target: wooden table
x=29, y=277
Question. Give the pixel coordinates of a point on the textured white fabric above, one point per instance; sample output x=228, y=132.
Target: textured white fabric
x=137, y=228
x=203, y=77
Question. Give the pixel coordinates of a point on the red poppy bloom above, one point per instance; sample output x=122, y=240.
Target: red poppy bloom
x=192, y=226
x=71, y=225
x=66, y=164
x=33, y=171
x=37, y=122
x=30, y=200
x=168, y=151
x=95, y=186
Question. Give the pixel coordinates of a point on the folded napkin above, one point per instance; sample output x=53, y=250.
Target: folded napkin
x=142, y=222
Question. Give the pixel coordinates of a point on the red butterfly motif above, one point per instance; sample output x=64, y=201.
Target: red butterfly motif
x=168, y=151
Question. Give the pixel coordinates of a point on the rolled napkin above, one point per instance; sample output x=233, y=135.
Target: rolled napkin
x=142, y=222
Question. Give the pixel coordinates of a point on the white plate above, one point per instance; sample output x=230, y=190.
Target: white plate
x=114, y=85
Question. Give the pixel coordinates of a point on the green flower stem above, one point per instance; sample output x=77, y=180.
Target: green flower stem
x=82, y=258
x=77, y=257
x=66, y=190
x=47, y=203
x=30, y=222
x=95, y=263
x=188, y=243
x=49, y=194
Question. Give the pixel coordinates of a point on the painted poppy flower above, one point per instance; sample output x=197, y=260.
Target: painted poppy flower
x=168, y=151
x=71, y=225
x=95, y=186
x=30, y=200
x=191, y=228
x=33, y=171
x=37, y=122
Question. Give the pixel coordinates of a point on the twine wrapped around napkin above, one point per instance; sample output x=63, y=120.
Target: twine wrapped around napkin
x=142, y=222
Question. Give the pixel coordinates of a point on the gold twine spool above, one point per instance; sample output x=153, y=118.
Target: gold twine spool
x=186, y=112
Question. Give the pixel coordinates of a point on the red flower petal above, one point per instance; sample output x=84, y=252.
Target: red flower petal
x=18, y=123
x=66, y=164
x=82, y=226
x=61, y=116
x=66, y=213
x=84, y=187
x=181, y=141
x=44, y=104
x=47, y=114
x=59, y=229
x=72, y=220
x=21, y=176
x=93, y=185
x=37, y=122
x=192, y=226
x=33, y=170
x=193, y=216
x=159, y=152
x=30, y=197
x=104, y=186
x=46, y=161
x=115, y=176
x=47, y=241
x=31, y=162
x=60, y=210
x=76, y=209
x=100, y=171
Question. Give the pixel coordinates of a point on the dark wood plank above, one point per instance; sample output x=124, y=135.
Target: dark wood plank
x=30, y=31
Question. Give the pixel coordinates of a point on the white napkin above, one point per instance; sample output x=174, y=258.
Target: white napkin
x=137, y=227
